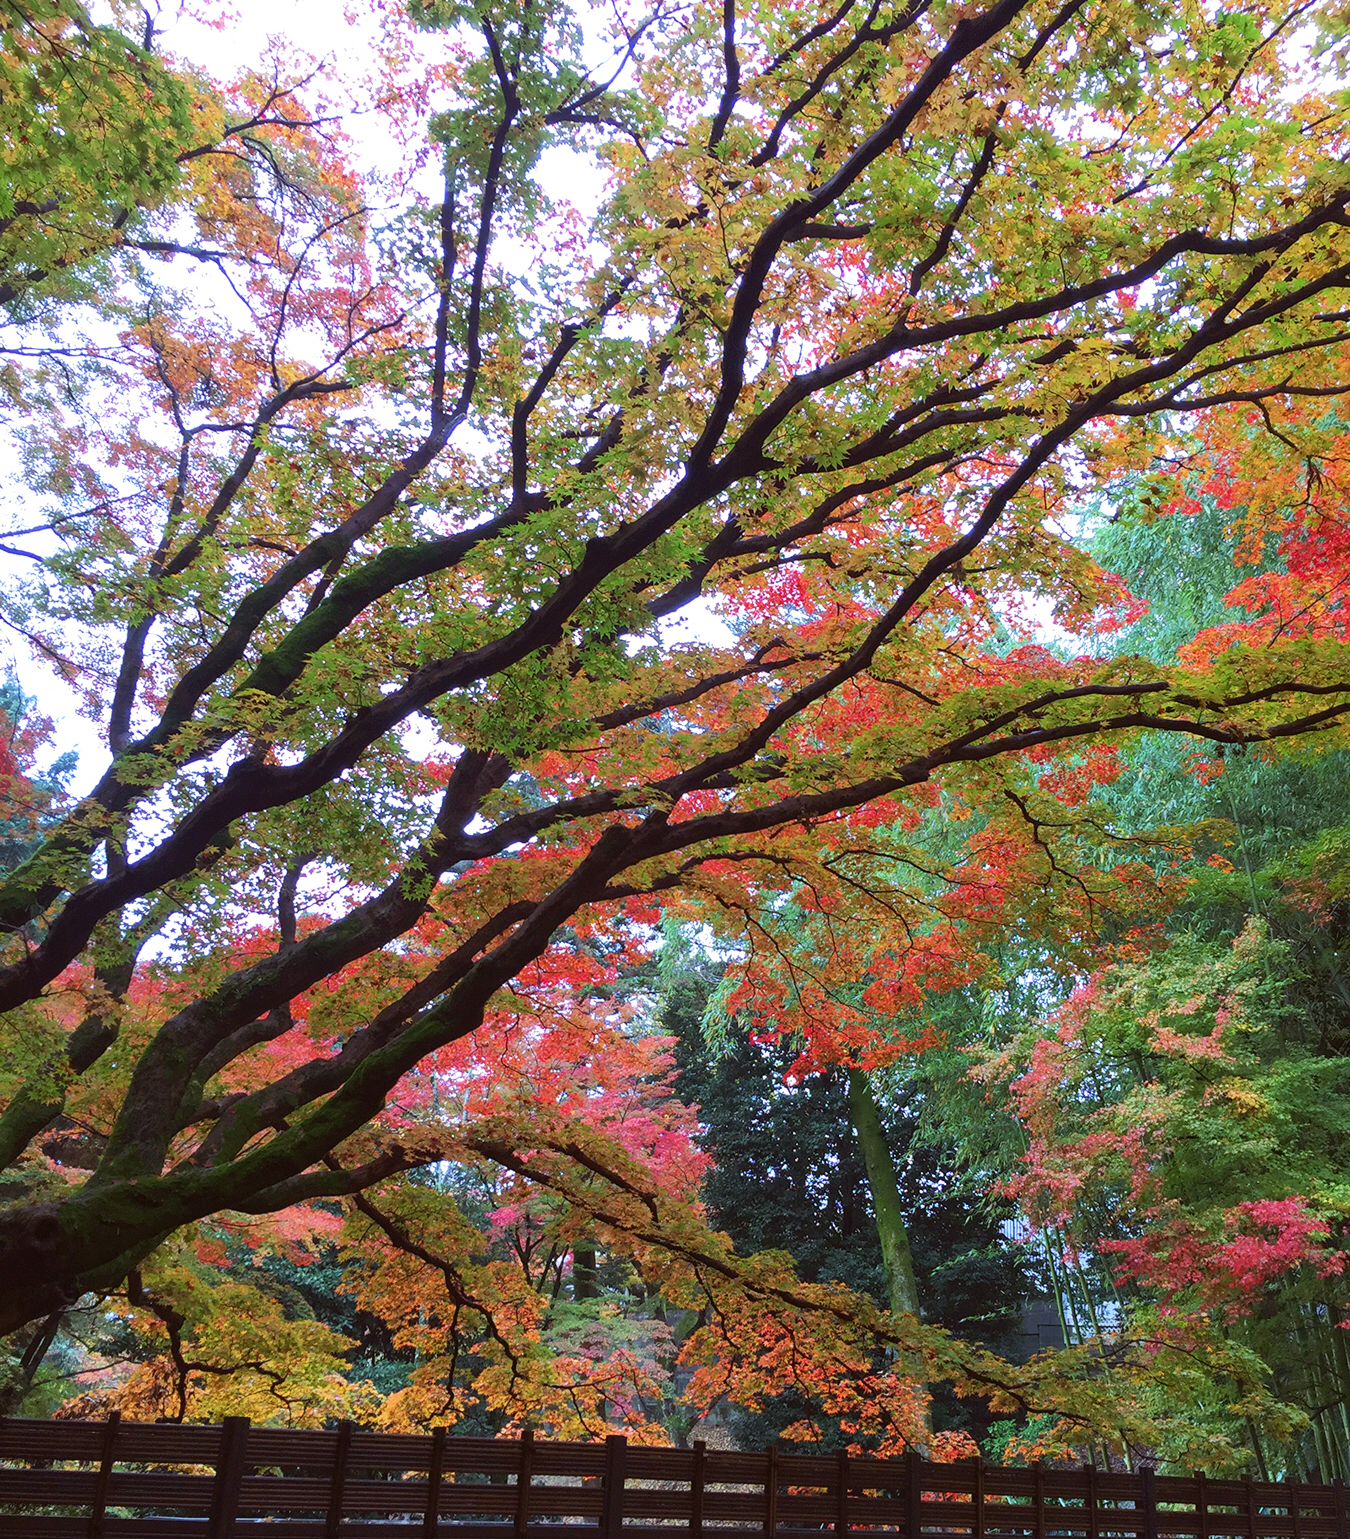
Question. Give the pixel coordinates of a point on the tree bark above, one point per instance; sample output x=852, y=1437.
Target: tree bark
x=895, y=1252
x=585, y=1283
x=894, y=1237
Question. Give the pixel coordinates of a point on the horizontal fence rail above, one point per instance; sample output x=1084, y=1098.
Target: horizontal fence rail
x=137, y=1480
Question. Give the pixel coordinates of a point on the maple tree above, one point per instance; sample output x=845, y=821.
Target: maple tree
x=1184, y=1109
x=1133, y=1131
x=467, y=1273
x=1183, y=1137
x=93, y=128
x=367, y=568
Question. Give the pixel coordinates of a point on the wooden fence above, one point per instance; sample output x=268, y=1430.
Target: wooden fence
x=130, y=1480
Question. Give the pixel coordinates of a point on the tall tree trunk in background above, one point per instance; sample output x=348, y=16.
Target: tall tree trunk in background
x=876, y=1152
x=585, y=1284
x=895, y=1252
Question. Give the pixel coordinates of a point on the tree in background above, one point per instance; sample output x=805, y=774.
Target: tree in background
x=1186, y=1107
x=787, y=1173
x=29, y=800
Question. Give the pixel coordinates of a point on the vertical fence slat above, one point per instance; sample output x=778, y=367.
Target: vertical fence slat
x=1090, y=1501
x=1038, y=1499
x=771, y=1493
x=611, y=1500
x=229, y=1480
x=696, y=1489
x=1201, y=1506
x=913, y=1496
x=1342, y=1521
x=1250, y=1489
x=1295, y=1508
x=1148, y=1504
x=841, y=1508
x=431, y=1517
x=524, y=1475
x=101, y=1482
x=977, y=1518
x=333, y=1522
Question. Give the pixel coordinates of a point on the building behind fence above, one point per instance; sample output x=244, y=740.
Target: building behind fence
x=135, y=1480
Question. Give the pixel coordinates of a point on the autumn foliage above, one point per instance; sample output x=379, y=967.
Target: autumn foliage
x=373, y=502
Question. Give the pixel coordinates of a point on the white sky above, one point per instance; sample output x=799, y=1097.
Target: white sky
x=319, y=27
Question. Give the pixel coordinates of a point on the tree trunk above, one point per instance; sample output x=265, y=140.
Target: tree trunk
x=876, y=1152
x=585, y=1284
x=895, y=1252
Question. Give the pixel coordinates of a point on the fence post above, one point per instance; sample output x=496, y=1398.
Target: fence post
x=1038, y=1498
x=101, y=1481
x=1201, y=1506
x=1148, y=1504
x=229, y=1478
x=611, y=1499
x=841, y=1512
x=696, y=1491
x=431, y=1518
x=913, y=1496
x=1338, y=1496
x=771, y=1494
x=344, y=1447
x=1295, y=1508
x=523, y=1478
x=977, y=1498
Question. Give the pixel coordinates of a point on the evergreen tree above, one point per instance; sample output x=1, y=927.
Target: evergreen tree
x=788, y=1174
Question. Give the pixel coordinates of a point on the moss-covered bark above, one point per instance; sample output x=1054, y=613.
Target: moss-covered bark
x=885, y=1189
x=876, y=1152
